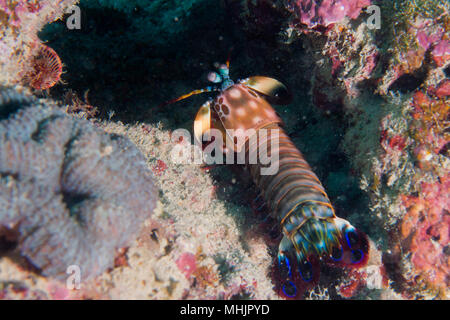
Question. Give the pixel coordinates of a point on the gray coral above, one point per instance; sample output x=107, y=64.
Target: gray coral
x=73, y=192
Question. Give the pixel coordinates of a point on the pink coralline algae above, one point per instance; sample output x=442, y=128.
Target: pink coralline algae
x=16, y=9
x=19, y=10
x=441, y=52
x=426, y=228
x=430, y=36
x=187, y=264
x=324, y=13
x=443, y=90
x=70, y=192
x=159, y=168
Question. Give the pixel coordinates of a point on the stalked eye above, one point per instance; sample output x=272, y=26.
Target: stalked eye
x=357, y=256
x=214, y=77
x=289, y=289
x=352, y=238
x=336, y=253
x=223, y=70
x=306, y=270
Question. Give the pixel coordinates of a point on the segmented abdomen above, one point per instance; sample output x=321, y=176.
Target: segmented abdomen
x=298, y=201
x=293, y=185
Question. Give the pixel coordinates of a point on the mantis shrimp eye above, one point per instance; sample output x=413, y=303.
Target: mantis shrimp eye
x=223, y=70
x=214, y=77
x=289, y=289
x=306, y=270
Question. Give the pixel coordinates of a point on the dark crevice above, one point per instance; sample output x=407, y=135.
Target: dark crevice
x=408, y=83
x=447, y=71
x=13, y=175
x=11, y=102
x=411, y=81
x=74, y=203
x=41, y=131
x=8, y=240
x=9, y=247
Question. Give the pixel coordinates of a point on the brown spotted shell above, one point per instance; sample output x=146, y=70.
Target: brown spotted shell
x=240, y=107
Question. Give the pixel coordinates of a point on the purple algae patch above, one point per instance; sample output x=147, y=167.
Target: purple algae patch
x=73, y=193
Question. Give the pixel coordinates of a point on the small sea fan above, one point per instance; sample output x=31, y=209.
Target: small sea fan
x=45, y=69
x=73, y=193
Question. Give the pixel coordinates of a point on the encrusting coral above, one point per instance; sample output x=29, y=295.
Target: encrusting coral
x=390, y=84
x=20, y=21
x=197, y=246
x=312, y=13
x=72, y=193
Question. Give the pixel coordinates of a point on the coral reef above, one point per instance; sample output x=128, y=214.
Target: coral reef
x=195, y=245
x=20, y=21
x=425, y=233
x=296, y=16
x=390, y=86
x=312, y=13
x=370, y=114
x=404, y=134
x=204, y=249
x=71, y=193
x=417, y=37
x=409, y=189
